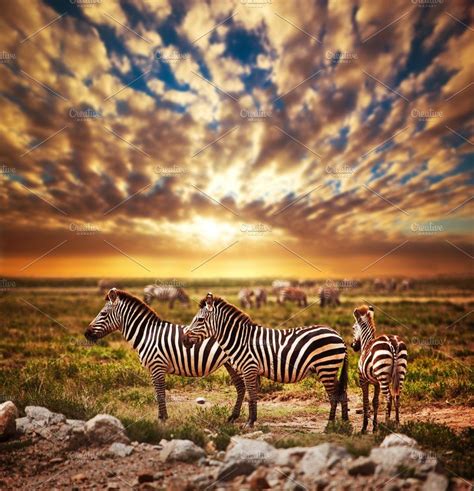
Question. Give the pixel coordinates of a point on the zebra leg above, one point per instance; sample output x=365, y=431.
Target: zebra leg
x=159, y=383
x=397, y=407
x=388, y=410
x=375, y=403
x=250, y=378
x=238, y=381
x=365, y=396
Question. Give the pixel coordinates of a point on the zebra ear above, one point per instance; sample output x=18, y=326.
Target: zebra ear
x=209, y=300
x=113, y=295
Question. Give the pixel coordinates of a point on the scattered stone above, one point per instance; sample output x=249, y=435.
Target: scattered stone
x=181, y=450
x=23, y=425
x=56, y=460
x=320, y=458
x=258, y=479
x=256, y=451
x=44, y=415
x=8, y=415
x=363, y=466
x=254, y=435
x=120, y=449
x=112, y=486
x=288, y=456
x=146, y=476
x=79, y=477
x=76, y=423
x=111, y=473
x=210, y=447
x=392, y=459
x=105, y=428
x=435, y=482
x=398, y=440
x=200, y=400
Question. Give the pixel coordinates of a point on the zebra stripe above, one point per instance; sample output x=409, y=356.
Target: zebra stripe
x=160, y=345
x=383, y=363
x=282, y=355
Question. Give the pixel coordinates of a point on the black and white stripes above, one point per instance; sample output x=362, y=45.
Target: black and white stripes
x=383, y=363
x=160, y=345
x=283, y=355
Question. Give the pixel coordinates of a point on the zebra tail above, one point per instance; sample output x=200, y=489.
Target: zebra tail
x=395, y=385
x=343, y=378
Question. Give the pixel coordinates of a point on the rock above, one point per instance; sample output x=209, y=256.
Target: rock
x=398, y=440
x=56, y=460
x=8, y=415
x=210, y=447
x=258, y=479
x=321, y=457
x=76, y=423
x=254, y=435
x=288, y=456
x=120, y=449
x=145, y=476
x=44, y=415
x=181, y=450
x=200, y=400
x=79, y=477
x=105, y=428
x=393, y=459
x=77, y=438
x=363, y=466
x=435, y=482
x=256, y=451
x=23, y=425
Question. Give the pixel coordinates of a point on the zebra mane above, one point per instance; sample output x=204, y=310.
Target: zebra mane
x=221, y=301
x=125, y=295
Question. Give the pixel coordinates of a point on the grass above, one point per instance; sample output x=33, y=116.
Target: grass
x=44, y=360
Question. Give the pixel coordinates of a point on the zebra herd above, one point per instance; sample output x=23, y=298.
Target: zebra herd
x=223, y=335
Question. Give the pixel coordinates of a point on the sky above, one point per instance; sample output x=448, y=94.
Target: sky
x=236, y=138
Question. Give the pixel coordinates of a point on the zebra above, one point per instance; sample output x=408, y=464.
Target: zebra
x=170, y=293
x=329, y=296
x=105, y=285
x=383, y=363
x=294, y=295
x=245, y=297
x=160, y=345
x=282, y=355
x=260, y=297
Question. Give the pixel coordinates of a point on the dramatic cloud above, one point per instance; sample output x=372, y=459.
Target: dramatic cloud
x=143, y=138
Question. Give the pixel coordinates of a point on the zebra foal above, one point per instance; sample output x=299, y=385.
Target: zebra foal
x=382, y=363
x=282, y=355
x=160, y=345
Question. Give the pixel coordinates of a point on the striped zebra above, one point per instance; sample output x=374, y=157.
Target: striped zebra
x=383, y=363
x=260, y=297
x=165, y=293
x=293, y=295
x=282, y=355
x=329, y=296
x=245, y=297
x=160, y=345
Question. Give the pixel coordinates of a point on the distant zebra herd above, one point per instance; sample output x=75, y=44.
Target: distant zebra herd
x=223, y=335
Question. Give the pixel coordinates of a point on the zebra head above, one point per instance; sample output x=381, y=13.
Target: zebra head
x=202, y=326
x=364, y=325
x=107, y=319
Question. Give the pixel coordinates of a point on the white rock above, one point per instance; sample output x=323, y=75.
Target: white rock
x=435, y=482
x=120, y=449
x=390, y=460
x=23, y=425
x=200, y=400
x=181, y=450
x=288, y=456
x=322, y=457
x=105, y=428
x=8, y=415
x=256, y=451
x=44, y=415
x=398, y=440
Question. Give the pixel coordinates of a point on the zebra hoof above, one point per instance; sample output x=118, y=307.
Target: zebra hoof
x=248, y=425
x=232, y=419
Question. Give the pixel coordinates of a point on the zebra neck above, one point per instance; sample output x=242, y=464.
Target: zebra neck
x=228, y=332
x=368, y=333
x=136, y=320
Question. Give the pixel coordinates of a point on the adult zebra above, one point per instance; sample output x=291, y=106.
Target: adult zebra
x=160, y=345
x=282, y=355
x=383, y=363
x=165, y=293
